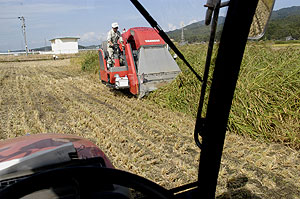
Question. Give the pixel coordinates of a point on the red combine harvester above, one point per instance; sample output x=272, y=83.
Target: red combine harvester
x=143, y=64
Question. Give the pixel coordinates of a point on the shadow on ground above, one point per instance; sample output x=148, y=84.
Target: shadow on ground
x=236, y=189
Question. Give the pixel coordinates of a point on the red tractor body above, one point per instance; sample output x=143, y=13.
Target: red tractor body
x=27, y=148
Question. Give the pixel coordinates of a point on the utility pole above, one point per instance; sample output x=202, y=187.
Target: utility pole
x=24, y=33
x=182, y=41
x=45, y=45
x=182, y=36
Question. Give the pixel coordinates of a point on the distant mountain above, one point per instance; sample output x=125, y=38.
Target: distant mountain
x=45, y=48
x=89, y=47
x=195, y=32
x=283, y=23
x=285, y=12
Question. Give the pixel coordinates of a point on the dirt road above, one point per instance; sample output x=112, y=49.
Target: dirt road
x=138, y=136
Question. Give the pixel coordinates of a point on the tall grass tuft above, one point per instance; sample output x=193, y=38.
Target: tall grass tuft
x=89, y=61
x=266, y=104
x=267, y=99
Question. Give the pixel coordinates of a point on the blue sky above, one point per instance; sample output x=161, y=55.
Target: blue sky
x=91, y=19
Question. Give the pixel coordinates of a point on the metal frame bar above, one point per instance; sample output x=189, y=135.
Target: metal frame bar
x=231, y=49
x=201, y=121
x=163, y=35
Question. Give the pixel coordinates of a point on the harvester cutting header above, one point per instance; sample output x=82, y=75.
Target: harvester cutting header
x=142, y=63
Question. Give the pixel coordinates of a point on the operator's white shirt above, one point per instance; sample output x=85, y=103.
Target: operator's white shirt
x=114, y=36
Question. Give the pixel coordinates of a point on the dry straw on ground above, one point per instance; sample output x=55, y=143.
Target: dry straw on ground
x=137, y=135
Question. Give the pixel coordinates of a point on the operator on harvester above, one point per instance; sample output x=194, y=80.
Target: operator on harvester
x=113, y=36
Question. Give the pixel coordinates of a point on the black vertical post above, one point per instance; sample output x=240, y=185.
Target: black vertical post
x=231, y=49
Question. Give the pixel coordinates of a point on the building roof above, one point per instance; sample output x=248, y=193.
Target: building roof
x=67, y=37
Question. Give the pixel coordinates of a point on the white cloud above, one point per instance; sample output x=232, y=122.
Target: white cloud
x=17, y=9
x=171, y=27
x=102, y=36
x=92, y=37
x=181, y=23
x=10, y=1
x=192, y=21
x=88, y=36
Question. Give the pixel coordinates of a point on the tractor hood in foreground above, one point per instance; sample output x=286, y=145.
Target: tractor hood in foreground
x=35, y=151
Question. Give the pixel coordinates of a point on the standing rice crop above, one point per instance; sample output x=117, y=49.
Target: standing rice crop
x=267, y=99
x=89, y=61
x=266, y=105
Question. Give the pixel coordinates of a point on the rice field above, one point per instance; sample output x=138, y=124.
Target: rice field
x=267, y=97
x=139, y=136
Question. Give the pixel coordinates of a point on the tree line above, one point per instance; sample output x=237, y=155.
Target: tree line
x=284, y=24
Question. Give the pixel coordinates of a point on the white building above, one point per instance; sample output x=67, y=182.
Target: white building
x=64, y=45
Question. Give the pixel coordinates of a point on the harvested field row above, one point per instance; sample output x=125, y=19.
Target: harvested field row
x=137, y=135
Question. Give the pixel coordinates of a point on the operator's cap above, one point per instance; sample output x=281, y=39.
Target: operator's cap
x=115, y=25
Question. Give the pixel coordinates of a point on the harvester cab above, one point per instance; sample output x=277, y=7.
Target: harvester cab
x=118, y=56
x=142, y=65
